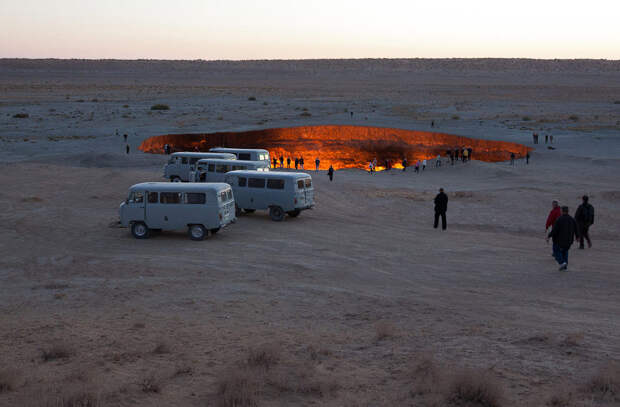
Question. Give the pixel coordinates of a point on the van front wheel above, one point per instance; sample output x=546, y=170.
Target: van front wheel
x=294, y=214
x=276, y=213
x=139, y=230
x=197, y=232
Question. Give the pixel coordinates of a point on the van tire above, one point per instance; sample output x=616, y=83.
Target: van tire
x=139, y=230
x=295, y=213
x=249, y=210
x=276, y=213
x=175, y=179
x=197, y=232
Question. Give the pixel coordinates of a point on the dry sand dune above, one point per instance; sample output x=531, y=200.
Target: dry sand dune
x=359, y=302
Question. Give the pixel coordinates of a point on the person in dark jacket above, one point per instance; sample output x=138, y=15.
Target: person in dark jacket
x=584, y=218
x=275, y=162
x=563, y=233
x=441, y=207
x=330, y=173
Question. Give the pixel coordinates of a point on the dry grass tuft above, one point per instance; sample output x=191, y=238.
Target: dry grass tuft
x=162, y=348
x=474, y=388
x=605, y=383
x=239, y=388
x=55, y=286
x=560, y=399
x=151, y=384
x=265, y=356
x=385, y=330
x=21, y=116
x=55, y=352
x=71, y=398
x=9, y=380
x=574, y=339
x=426, y=377
x=160, y=106
x=32, y=199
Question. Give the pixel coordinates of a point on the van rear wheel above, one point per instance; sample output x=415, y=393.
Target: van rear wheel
x=295, y=213
x=197, y=232
x=276, y=213
x=139, y=230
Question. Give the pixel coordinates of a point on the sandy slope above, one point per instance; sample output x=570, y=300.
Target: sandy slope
x=484, y=294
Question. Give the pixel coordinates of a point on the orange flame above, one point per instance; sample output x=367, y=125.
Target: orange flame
x=341, y=146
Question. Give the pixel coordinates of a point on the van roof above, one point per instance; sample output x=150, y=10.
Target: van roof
x=179, y=186
x=227, y=149
x=224, y=161
x=195, y=154
x=270, y=174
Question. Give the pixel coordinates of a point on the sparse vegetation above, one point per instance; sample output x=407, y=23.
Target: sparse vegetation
x=305, y=114
x=252, y=98
x=151, y=384
x=161, y=348
x=21, y=116
x=239, y=388
x=265, y=356
x=573, y=117
x=8, y=380
x=605, y=384
x=32, y=199
x=385, y=330
x=55, y=352
x=526, y=118
x=455, y=117
x=71, y=398
x=160, y=106
x=125, y=106
x=474, y=388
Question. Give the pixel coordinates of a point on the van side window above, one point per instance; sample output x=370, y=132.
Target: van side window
x=170, y=197
x=184, y=160
x=244, y=156
x=193, y=160
x=242, y=181
x=153, y=197
x=136, y=197
x=300, y=183
x=211, y=167
x=221, y=168
x=256, y=182
x=197, y=198
x=308, y=182
x=239, y=167
x=275, y=183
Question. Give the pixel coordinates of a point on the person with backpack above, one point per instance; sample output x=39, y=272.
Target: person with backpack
x=584, y=216
x=563, y=233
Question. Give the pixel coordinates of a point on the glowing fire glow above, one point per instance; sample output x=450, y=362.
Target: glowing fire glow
x=341, y=146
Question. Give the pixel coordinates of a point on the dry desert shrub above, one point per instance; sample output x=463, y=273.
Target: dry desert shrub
x=302, y=378
x=305, y=114
x=21, y=116
x=385, y=330
x=161, y=348
x=9, y=379
x=427, y=377
x=474, y=388
x=560, y=399
x=252, y=98
x=160, y=106
x=56, y=351
x=239, y=387
x=151, y=384
x=69, y=398
x=605, y=383
x=264, y=356
x=573, y=339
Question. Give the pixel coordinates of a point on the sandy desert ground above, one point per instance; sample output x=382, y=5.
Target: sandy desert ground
x=359, y=302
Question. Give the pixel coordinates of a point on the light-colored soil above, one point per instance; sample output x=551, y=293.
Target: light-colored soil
x=350, y=297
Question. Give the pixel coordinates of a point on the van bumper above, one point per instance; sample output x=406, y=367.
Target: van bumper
x=302, y=208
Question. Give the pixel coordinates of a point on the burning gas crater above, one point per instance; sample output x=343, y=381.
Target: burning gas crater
x=341, y=146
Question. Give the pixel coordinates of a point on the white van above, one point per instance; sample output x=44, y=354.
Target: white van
x=214, y=170
x=201, y=208
x=280, y=192
x=180, y=164
x=247, y=154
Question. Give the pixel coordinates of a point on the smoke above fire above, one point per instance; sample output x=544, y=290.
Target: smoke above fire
x=341, y=146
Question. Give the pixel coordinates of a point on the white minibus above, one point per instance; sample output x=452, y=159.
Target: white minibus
x=247, y=154
x=214, y=170
x=279, y=192
x=201, y=208
x=180, y=164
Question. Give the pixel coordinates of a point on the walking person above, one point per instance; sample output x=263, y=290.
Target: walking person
x=512, y=158
x=288, y=162
x=551, y=139
x=317, y=162
x=469, y=151
x=296, y=163
x=423, y=164
x=125, y=137
x=438, y=161
x=451, y=156
x=370, y=168
x=534, y=138
x=527, y=158
x=563, y=233
x=275, y=162
x=546, y=138
x=405, y=164
x=301, y=162
x=465, y=154
x=584, y=216
x=441, y=207
x=554, y=214
x=417, y=166
x=456, y=154
x=126, y=148
x=281, y=162
x=330, y=173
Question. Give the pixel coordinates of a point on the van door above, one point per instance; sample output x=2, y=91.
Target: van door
x=135, y=207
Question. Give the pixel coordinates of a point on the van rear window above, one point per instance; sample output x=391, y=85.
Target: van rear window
x=170, y=197
x=197, y=198
x=244, y=156
x=153, y=197
x=275, y=183
x=300, y=183
x=242, y=181
x=308, y=182
x=256, y=182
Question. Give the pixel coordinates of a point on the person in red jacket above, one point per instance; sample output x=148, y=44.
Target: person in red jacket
x=555, y=213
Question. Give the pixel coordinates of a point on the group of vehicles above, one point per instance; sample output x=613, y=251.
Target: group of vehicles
x=207, y=191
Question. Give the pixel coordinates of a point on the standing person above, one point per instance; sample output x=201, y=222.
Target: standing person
x=563, y=233
x=465, y=154
x=551, y=139
x=534, y=138
x=546, y=138
x=405, y=164
x=432, y=123
x=451, y=157
x=584, y=216
x=370, y=168
x=125, y=137
x=441, y=207
x=438, y=161
x=281, y=162
x=417, y=166
x=275, y=162
x=512, y=158
x=469, y=151
x=330, y=173
x=296, y=163
x=301, y=162
x=423, y=164
x=317, y=162
x=374, y=164
x=554, y=214
x=288, y=162
x=456, y=154
x=127, y=148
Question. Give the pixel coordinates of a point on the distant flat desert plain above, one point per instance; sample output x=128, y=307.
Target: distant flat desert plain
x=357, y=302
